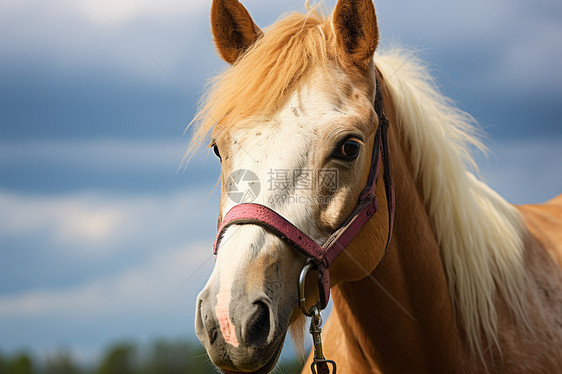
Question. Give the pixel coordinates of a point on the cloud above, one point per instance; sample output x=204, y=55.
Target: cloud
x=136, y=290
x=129, y=166
x=70, y=219
x=107, y=12
x=501, y=45
x=154, y=298
x=76, y=37
x=511, y=40
x=87, y=224
x=101, y=154
x=88, y=267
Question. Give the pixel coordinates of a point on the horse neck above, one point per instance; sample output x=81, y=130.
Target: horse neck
x=400, y=318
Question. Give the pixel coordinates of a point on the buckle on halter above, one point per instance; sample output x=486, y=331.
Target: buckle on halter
x=322, y=366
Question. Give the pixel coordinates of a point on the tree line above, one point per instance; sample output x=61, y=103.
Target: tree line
x=161, y=357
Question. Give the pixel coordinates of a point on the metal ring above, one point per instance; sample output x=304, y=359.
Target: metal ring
x=302, y=280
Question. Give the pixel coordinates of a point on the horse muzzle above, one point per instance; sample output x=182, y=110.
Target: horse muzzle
x=241, y=332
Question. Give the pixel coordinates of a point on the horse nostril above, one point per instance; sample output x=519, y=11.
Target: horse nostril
x=213, y=335
x=205, y=326
x=258, y=325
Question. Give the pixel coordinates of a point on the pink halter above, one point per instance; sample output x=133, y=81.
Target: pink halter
x=323, y=255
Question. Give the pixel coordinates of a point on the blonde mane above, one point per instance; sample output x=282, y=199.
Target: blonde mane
x=261, y=81
x=478, y=232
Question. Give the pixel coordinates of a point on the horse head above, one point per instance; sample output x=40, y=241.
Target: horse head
x=294, y=124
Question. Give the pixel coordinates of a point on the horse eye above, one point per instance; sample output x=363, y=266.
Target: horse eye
x=348, y=150
x=216, y=150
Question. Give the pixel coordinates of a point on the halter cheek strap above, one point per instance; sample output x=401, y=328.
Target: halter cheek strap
x=323, y=255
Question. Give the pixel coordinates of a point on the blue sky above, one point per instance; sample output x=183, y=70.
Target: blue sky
x=103, y=236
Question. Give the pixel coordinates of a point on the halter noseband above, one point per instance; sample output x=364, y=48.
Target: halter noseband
x=322, y=256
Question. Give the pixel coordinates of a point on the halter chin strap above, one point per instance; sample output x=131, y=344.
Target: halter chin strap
x=323, y=255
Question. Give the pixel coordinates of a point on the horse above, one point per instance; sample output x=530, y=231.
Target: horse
x=468, y=283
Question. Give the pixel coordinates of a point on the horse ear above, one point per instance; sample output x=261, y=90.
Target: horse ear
x=233, y=29
x=356, y=30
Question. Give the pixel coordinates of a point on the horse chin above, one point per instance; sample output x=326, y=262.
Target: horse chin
x=269, y=365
